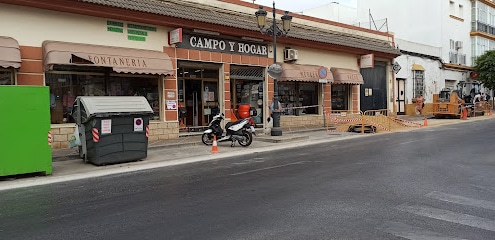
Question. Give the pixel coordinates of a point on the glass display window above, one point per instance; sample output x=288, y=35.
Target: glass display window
x=298, y=98
x=6, y=76
x=340, y=97
x=248, y=92
x=66, y=86
x=135, y=85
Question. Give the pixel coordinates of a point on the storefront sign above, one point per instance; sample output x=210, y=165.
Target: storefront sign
x=175, y=36
x=367, y=61
x=107, y=61
x=135, y=32
x=309, y=74
x=222, y=45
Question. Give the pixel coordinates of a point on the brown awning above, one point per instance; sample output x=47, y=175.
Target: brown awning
x=305, y=73
x=123, y=60
x=346, y=76
x=10, y=55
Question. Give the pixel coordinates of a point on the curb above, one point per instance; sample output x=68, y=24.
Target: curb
x=75, y=156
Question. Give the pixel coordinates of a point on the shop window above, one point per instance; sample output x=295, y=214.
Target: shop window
x=130, y=85
x=340, y=97
x=66, y=86
x=6, y=77
x=249, y=92
x=299, y=98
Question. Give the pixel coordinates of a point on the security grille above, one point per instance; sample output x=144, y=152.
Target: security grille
x=247, y=73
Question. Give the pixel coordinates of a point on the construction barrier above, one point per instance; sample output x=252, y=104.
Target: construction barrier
x=341, y=120
x=370, y=121
x=387, y=121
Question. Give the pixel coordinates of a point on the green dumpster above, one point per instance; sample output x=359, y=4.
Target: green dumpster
x=25, y=130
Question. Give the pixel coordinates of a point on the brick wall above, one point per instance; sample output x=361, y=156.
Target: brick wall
x=301, y=121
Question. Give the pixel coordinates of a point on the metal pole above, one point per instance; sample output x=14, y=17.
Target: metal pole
x=276, y=130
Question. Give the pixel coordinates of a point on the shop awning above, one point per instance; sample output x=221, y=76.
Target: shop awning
x=10, y=55
x=346, y=76
x=305, y=73
x=417, y=67
x=123, y=60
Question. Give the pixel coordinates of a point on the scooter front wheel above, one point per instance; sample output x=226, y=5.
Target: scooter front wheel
x=207, y=138
x=247, y=139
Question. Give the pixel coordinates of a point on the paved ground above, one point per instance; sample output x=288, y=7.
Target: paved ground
x=67, y=166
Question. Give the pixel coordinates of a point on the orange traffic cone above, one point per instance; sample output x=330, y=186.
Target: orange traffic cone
x=214, y=147
x=464, y=114
x=425, y=122
x=491, y=114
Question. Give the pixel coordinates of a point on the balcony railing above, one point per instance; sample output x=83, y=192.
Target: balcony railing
x=482, y=27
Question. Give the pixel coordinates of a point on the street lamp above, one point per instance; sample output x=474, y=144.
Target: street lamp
x=276, y=32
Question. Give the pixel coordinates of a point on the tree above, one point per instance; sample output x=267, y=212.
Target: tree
x=485, y=68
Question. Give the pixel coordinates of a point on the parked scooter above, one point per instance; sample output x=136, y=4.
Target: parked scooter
x=241, y=131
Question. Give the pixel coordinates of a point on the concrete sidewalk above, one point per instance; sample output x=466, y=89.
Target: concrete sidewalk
x=68, y=166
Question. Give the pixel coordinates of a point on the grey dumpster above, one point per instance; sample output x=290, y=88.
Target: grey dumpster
x=112, y=129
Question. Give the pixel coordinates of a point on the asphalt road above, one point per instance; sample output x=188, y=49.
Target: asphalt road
x=432, y=183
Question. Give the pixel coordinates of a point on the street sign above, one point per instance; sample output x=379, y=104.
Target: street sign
x=396, y=67
x=275, y=71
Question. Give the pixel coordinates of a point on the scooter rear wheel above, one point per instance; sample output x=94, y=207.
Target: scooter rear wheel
x=247, y=139
x=207, y=139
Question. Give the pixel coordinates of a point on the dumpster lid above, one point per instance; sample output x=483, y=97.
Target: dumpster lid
x=115, y=104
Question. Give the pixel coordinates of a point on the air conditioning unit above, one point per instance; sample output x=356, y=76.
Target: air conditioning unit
x=290, y=54
x=458, y=45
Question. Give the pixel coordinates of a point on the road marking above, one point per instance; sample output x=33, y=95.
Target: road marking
x=411, y=232
x=461, y=200
x=448, y=216
x=410, y=141
x=268, y=168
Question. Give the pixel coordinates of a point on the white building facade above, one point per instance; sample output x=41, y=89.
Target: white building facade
x=439, y=46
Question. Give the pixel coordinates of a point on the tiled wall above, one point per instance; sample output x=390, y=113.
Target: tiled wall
x=301, y=121
x=158, y=131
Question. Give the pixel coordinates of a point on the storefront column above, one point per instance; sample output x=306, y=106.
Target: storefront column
x=355, y=97
x=31, y=71
x=169, y=94
x=226, y=91
x=327, y=97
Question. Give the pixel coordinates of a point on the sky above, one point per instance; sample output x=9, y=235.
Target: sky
x=300, y=5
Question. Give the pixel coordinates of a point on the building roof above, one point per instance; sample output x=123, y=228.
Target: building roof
x=218, y=16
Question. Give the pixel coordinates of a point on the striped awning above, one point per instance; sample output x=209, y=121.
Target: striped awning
x=10, y=54
x=305, y=73
x=122, y=60
x=346, y=76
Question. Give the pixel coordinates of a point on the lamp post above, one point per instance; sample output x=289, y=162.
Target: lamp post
x=276, y=32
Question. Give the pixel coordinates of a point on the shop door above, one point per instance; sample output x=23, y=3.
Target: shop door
x=193, y=102
x=401, y=97
x=209, y=101
x=374, y=89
